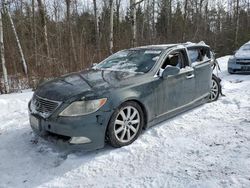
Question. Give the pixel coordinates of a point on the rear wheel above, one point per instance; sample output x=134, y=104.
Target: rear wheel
x=125, y=125
x=215, y=89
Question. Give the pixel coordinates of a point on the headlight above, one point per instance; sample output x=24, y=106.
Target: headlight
x=79, y=108
x=231, y=59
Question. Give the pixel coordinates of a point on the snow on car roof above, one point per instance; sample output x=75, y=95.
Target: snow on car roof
x=158, y=46
x=165, y=46
x=201, y=43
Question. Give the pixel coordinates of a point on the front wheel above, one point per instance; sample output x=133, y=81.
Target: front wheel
x=215, y=89
x=125, y=124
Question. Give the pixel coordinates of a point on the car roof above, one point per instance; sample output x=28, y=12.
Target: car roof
x=159, y=46
x=167, y=46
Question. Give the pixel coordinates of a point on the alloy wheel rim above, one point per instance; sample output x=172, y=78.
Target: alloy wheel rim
x=127, y=124
x=214, y=90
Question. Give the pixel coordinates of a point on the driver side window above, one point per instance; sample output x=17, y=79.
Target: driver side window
x=176, y=59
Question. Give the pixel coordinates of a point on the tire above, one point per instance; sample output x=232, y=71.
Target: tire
x=125, y=124
x=215, y=89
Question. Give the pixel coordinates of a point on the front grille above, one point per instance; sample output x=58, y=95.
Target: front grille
x=243, y=61
x=43, y=107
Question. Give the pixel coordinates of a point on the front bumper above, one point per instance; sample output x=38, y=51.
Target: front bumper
x=233, y=67
x=86, y=132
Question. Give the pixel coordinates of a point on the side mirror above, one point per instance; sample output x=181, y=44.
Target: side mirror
x=170, y=70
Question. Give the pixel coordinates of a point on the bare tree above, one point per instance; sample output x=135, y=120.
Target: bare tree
x=145, y=8
x=70, y=33
x=5, y=74
x=18, y=42
x=133, y=4
x=237, y=24
x=133, y=22
x=153, y=19
x=170, y=16
x=34, y=30
x=44, y=26
x=97, y=34
x=185, y=20
x=111, y=37
x=118, y=5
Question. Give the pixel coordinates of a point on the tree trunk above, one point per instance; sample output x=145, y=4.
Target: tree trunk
x=58, y=31
x=44, y=26
x=206, y=20
x=18, y=43
x=248, y=14
x=153, y=20
x=70, y=34
x=237, y=25
x=118, y=5
x=97, y=34
x=170, y=20
x=145, y=7
x=5, y=74
x=111, y=45
x=133, y=22
x=34, y=33
x=185, y=20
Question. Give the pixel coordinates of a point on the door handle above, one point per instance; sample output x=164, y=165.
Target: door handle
x=190, y=76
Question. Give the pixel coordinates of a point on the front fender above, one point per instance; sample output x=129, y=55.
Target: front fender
x=142, y=94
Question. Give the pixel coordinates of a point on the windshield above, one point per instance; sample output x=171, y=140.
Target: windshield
x=141, y=60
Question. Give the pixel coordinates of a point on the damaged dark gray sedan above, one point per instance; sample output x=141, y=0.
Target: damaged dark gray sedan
x=129, y=91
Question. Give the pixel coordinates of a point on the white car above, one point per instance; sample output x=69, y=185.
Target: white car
x=240, y=62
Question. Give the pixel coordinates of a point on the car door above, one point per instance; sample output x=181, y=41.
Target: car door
x=177, y=90
x=200, y=62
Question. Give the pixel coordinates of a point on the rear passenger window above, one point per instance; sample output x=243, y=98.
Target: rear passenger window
x=193, y=54
x=206, y=54
x=199, y=54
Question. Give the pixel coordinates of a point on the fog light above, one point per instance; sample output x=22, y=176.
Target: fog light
x=79, y=140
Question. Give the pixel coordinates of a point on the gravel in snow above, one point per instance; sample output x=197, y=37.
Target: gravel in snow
x=208, y=146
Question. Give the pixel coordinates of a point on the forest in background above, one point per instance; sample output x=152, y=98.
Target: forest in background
x=62, y=36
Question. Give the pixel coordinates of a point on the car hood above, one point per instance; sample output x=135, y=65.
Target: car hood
x=83, y=83
x=242, y=55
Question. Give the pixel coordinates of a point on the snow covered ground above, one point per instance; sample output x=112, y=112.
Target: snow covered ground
x=205, y=147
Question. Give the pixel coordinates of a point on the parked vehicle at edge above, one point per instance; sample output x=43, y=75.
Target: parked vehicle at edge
x=129, y=91
x=240, y=62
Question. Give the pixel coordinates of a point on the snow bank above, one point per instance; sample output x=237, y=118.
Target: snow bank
x=205, y=147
